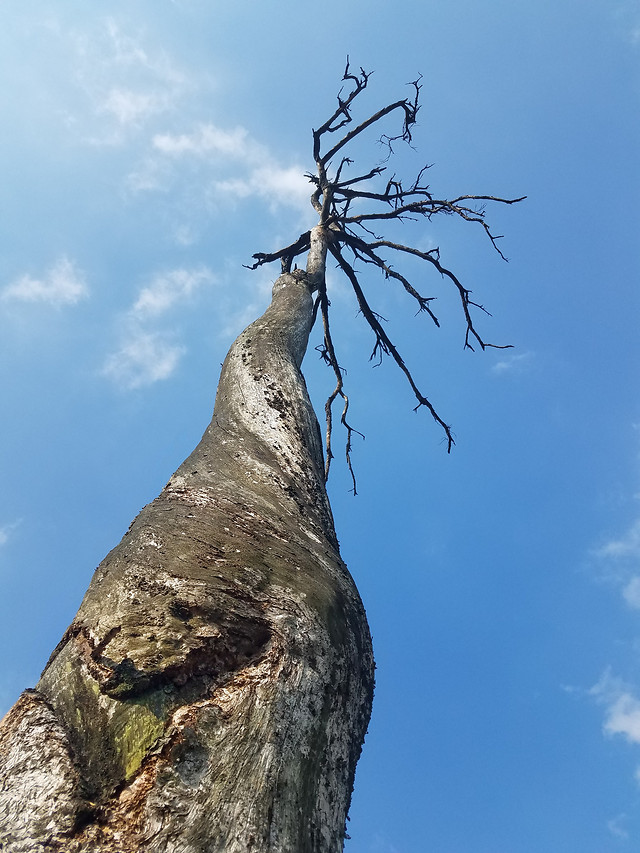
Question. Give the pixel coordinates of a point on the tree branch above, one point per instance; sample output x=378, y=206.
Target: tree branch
x=328, y=353
x=346, y=206
x=384, y=345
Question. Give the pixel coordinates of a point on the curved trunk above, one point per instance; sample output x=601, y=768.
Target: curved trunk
x=214, y=689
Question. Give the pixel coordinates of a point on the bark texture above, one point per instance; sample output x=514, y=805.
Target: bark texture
x=214, y=689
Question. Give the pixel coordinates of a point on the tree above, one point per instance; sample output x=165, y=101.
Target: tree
x=214, y=689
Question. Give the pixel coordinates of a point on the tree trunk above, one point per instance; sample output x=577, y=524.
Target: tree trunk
x=214, y=689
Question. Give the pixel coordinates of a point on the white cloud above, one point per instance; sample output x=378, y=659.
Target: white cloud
x=631, y=592
x=622, y=707
x=623, y=717
x=627, y=546
x=257, y=171
x=616, y=828
x=6, y=530
x=149, y=176
x=209, y=139
x=169, y=288
x=185, y=235
x=126, y=50
x=122, y=81
x=62, y=284
x=147, y=354
x=620, y=558
x=273, y=183
x=514, y=363
x=145, y=358
x=129, y=107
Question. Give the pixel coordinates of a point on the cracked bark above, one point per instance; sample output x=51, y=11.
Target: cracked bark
x=214, y=689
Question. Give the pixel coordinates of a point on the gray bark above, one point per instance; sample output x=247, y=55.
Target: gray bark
x=214, y=689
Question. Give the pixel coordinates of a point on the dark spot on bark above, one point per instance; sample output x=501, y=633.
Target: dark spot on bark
x=190, y=758
x=276, y=400
x=125, y=680
x=180, y=609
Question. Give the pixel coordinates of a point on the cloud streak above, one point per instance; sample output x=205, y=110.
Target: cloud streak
x=168, y=289
x=230, y=166
x=142, y=359
x=208, y=139
x=513, y=364
x=621, y=699
x=132, y=108
x=148, y=354
x=625, y=547
x=122, y=82
x=622, y=707
x=62, y=284
x=616, y=827
x=6, y=530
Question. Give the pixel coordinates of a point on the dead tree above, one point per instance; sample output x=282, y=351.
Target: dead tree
x=214, y=689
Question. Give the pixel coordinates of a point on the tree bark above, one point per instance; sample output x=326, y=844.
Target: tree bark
x=214, y=689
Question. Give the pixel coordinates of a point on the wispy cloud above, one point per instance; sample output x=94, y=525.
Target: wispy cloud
x=621, y=719
x=6, y=530
x=620, y=699
x=511, y=364
x=129, y=107
x=168, y=289
x=124, y=81
x=622, y=707
x=142, y=359
x=62, y=284
x=230, y=165
x=275, y=184
x=626, y=546
x=631, y=592
x=148, y=354
x=616, y=827
x=208, y=139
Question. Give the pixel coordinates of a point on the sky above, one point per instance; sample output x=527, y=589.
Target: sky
x=149, y=148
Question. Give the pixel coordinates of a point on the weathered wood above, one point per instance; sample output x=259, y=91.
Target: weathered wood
x=214, y=689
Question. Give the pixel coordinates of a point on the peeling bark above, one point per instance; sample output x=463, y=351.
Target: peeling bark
x=214, y=689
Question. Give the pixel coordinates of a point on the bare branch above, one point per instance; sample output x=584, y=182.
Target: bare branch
x=347, y=208
x=366, y=252
x=287, y=254
x=342, y=115
x=377, y=171
x=385, y=111
x=328, y=353
x=433, y=257
x=384, y=345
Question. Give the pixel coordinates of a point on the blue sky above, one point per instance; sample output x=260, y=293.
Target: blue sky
x=148, y=149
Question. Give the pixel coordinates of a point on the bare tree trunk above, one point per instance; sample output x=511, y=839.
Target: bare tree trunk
x=213, y=691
